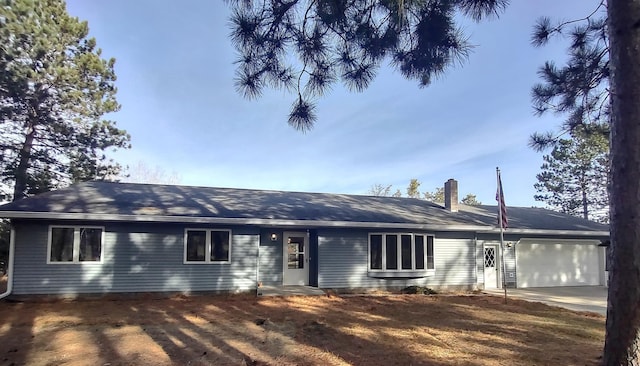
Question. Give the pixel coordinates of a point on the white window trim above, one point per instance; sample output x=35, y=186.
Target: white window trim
x=413, y=270
x=76, y=243
x=207, y=248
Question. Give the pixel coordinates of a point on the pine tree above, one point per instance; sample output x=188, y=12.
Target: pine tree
x=599, y=89
x=573, y=179
x=413, y=188
x=346, y=41
x=55, y=87
x=470, y=200
x=580, y=88
x=436, y=196
x=622, y=339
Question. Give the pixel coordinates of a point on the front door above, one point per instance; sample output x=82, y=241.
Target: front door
x=491, y=266
x=296, y=258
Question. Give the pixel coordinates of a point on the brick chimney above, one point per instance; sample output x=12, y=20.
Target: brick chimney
x=451, y=195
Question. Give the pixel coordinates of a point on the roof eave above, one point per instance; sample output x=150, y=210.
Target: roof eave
x=591, y=233
x=289, y=223
x=233, y=221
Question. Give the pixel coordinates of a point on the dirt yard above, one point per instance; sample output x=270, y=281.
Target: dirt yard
x=244, y=330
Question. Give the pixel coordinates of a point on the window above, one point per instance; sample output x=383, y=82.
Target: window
x=430, y=263
x=74, y=244
x=400, y=252
x=419, y=248
x=375, y=250
x=207, y=246
x=391, y=252
x=295, y=252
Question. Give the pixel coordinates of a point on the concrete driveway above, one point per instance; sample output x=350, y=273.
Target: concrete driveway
x=580, y=298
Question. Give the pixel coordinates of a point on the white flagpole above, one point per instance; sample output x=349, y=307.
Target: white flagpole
x=500, y=204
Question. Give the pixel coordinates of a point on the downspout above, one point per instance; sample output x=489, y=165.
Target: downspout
x=515, y=261
x=475, y=262
x=258, y=284
x=12, y=249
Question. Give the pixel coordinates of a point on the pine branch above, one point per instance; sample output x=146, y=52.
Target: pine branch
x=543, y=29
x=345, y=41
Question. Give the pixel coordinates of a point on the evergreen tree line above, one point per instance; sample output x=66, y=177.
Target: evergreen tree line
x=413, y=191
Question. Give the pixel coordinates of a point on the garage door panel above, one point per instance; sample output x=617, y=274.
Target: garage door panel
x=557, y=264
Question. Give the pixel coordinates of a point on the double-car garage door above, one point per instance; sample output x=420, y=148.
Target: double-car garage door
x=547, y=263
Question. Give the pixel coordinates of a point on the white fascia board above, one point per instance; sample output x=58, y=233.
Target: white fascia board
x=233, y=221
x=288, y=223
x=534, y=240
x=547, y=232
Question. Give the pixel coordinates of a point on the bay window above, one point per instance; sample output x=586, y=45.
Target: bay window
x=401, y=252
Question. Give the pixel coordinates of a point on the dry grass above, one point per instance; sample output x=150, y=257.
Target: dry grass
x=244, y=330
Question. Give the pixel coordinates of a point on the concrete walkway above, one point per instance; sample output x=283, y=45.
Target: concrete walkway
x=580, y=298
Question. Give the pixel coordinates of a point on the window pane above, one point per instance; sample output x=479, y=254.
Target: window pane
x=296, y=244
x=196, y=245
x=430, y=264
x=296, y=261
x=392, y=252
x=219, y=246
x=61, y=244
x=292, y=261
x=405, y=243
x=90, y=244
x=376, y=251
x=419, y=245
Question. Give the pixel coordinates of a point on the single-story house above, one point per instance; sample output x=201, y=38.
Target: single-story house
x=106, y=237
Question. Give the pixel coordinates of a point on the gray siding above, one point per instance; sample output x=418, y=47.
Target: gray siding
x=136, y=258
x=343, y=262
x=479, y=263
x=270, y=272
x=455, y=260
x=510, y=264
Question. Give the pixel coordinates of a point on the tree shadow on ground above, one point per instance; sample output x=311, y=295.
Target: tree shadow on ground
x=16, y=332
x=400, y=330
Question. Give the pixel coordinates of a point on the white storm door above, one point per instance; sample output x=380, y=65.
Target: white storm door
x=296, y=258
x=491, y=267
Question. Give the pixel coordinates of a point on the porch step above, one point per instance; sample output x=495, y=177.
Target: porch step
x=289, y=291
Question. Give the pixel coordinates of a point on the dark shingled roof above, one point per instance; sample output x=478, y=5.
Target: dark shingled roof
x=108, y=199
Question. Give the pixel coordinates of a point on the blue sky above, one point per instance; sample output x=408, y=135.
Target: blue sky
x=175, y=83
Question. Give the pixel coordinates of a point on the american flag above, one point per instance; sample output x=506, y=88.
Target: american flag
x=503, y=222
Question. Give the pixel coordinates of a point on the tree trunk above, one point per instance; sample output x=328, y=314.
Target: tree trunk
x=20, y=188
x=585, y=199
x=623, y=312
x=585, y=205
